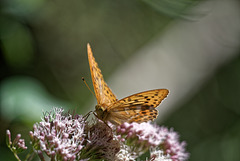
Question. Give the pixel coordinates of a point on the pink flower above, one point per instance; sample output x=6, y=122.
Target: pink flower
x=18, y=144
x=173, y=147
x=58, y=135
x=146, y=135
x=66, y=137
x=102, y=144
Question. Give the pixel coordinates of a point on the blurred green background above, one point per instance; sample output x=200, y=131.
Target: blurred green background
x=187, y=46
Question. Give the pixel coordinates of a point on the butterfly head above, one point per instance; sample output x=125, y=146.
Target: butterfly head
x=100, y=111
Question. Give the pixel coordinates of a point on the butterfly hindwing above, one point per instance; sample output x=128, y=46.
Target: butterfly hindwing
x=138, y=113
x=144, y=115
x=139, y=107
x=103, y=93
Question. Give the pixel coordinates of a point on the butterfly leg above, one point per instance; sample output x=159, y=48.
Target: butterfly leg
x=102, y=120
x=108, y=125
x=87, y=115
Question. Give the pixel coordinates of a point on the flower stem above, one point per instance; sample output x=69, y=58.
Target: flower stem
x=30, y=155
x=16, y=156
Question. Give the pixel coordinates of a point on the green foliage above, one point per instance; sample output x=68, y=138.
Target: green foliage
x=210, y=121
x=173, y=8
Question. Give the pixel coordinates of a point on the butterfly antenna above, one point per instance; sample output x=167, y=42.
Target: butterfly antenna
x=88, y=87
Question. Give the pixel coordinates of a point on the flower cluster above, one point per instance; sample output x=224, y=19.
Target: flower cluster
x=60, y=136
x=101, y=142
x=145, y=136
x=18, y=144
x=171, y=145
x=70, y=137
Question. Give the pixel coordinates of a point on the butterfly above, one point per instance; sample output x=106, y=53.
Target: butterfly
x=139, y=107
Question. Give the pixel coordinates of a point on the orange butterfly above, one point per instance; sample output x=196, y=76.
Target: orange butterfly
x=139, y=107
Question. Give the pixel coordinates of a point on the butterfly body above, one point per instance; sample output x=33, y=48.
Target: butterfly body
x=139, y=107
x=101, y=113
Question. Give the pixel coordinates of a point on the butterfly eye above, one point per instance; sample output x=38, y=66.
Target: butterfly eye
x=99, y=108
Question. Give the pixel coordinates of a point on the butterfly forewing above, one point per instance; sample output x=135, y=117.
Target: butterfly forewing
x=139, y=107
x=151, y=98
x=103, y=93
